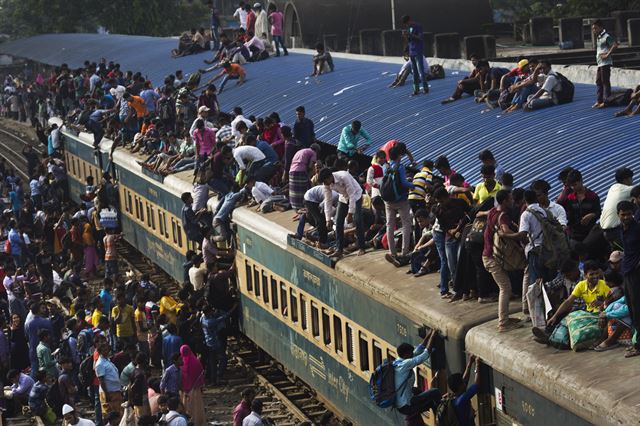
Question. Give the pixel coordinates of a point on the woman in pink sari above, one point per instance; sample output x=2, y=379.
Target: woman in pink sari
x=192, y=383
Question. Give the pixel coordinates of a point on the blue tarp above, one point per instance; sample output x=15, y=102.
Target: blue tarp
x=529, y=145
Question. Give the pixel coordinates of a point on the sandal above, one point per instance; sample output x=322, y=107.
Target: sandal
x=633, y=352
x=602, y=347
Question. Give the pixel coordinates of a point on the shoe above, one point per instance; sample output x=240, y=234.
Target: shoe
x=455, y=298
x=390, y=258
x=514, y=320
x=403, y=260
x=425, y=90
x=541, y=335
x=490, y=299
x=466, y=297
x=508, y=327
x=421, y=273
x=446, y=295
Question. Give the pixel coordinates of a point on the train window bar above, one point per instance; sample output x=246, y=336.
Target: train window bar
x=174, y=229
x=179, y=228
x=130, y=201
x=137, y=207
x=141, y=210
x=164, y=222
x=265, y=288
x=377, y=353
x=160, y=224
x=351, y=349
x=256, y=280
x=363, y=344
x=337, y=332
x=149, y=215
x=293, y=296
x=326, y=327
x=249, y=276
x=303, y=312
x=315, y=321
x=274, y=293
x=284, y=308
x=153, y=217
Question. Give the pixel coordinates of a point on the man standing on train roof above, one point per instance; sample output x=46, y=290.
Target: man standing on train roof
x=303, y=128
x=349, y=206
x=409, y=400
x=241, y=15
x=629, y=267
x=606, y=44
x=348, y=144
x=415, y=44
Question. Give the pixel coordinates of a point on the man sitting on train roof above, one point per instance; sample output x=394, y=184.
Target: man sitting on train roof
x=322, y=61
x=409, y=400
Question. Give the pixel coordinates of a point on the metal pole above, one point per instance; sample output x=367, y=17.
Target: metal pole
x=393, y=14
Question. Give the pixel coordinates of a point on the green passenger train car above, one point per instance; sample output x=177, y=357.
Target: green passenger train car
x=332, y=325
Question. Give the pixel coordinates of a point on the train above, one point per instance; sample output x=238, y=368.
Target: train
x=331, y=324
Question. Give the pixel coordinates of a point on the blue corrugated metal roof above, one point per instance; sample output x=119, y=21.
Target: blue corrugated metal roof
x=529, y=145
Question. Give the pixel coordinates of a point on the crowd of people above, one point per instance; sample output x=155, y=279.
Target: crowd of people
x=71, y=335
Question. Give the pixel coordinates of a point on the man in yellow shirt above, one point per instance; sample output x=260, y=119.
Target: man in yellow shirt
x=592, y=290
x=489, y=187
x=123, y=318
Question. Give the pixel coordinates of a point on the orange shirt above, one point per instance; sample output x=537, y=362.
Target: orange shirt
x=137, y=103
x=235, y=70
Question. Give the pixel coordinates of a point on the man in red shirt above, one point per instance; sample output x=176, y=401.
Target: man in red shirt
x=243, y=409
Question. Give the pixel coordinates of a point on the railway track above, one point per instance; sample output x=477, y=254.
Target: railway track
x=287, y=400
x=12, y=146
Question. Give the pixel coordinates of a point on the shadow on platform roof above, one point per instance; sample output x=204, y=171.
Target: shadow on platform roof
x=529, y=145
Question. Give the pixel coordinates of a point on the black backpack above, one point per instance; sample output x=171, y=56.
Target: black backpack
x=567, y=89
x=619, y=98
x=436, y=72
x=65, y=350
x=391, y=189
x=382, y=386
x=85, y=373
x=446, y=412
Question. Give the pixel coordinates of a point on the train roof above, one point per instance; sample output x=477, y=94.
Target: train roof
x=598, y=386
x=529, y=145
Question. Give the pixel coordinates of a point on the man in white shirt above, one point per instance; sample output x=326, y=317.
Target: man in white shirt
x=349, y=206
x=237, y=112
x=241, y=15
x=247, y=155
x=203, y=113
x=546, y=95
x=197, y=273
x=169, y=408
x=255, y=418
x=541, y=188
x=256, y=46
x=72, y=419
x=531, y=227
x=262, y=20
x=619, y=191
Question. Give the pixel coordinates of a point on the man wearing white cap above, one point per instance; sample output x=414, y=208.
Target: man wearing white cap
x=72, y=419
x=262, y=21
x=203, y=113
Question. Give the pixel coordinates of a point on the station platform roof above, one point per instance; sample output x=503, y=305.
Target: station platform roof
x=528, y=145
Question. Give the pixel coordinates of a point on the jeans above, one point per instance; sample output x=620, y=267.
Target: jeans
x=110, y=268
x=520, y=97
x=216, y=363
x=226, y=78
x=603, y=83
x=632, y=296
x=417, y=259
x=438, y=238
x=221, y=188
x=452, y=247
x=97, y=130
x=341, y=215
x=215, y=37
x=223, y=213
x=184, y=164
x=277, y=42
x=422, y=402
x=537, y=269
x=401, y=207
x=540, y=103
x=417, y=69
x=94, y=396
x=313, y=210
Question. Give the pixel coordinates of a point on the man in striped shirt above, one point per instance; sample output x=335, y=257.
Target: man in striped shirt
x=422, y=185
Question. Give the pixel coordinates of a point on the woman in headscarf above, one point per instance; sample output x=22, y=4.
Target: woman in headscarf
x=19, y=347
x=192, y=383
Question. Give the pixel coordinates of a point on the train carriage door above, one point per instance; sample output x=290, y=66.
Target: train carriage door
x=292, y=28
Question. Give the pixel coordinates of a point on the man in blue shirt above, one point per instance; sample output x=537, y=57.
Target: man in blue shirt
x=413, y=34
x=409, y=400
x=171, y=344
x=212, y=323
x=34, y=323
x=458, y=385
x=629, y=267
x=348, y=144
x=303, y=128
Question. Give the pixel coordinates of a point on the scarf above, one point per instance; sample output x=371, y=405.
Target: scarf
x=192, y=371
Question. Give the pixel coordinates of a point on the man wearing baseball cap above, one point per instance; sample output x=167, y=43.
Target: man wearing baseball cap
x=203, y=114
x=71, y=417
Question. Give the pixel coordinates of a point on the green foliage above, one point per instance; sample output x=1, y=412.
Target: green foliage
x=522, y=10
x=23, y=18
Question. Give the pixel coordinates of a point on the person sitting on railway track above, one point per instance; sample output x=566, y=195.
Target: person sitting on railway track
x=409, y=400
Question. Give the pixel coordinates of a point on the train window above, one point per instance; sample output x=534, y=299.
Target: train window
x=377, y=354
x=160, y=223
x=391, y=356
x=293, y=296
x=303, y=312
x=422, y=379
x=130, y=202
x=256, y=280
x=73, y=166
x=137, y=207
x=363, y=343
x=249, y=276
x=274, y=293
x=174, y=228
x=78, y=167
x=350, y=344
x=84, y=169
x=164, y=224
x=179, y=236
x=148, y=207
x=265, y=288
x=153, y=218
x=337, y=332
x=283, y=296
x=315, y=321
x=326, y=327
x=141, y=210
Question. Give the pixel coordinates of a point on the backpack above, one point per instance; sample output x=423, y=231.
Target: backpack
x=565, y=94
x=619, y=98
x=164, y=109
x=436, y=72
x=555, y=248
x=382, y=387
x=446, y=412
x=65, y=351
x=507, y=252
x=391, y=189
x=83, y=117
x=85, y=372
x=85, y=341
